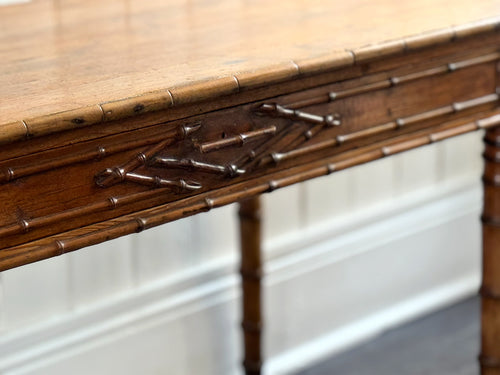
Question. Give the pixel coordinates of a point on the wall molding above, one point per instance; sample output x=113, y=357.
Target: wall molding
x=351, y=335
x=38, y=347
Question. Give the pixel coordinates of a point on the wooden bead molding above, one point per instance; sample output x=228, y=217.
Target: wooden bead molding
x=17, y=255
x=208, y=151
x=146, y=125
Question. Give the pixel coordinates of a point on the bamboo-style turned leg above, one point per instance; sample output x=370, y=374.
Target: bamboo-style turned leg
x=251, y=274
x=490, y=290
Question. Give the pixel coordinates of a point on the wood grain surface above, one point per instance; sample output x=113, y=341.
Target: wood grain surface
x=90, y=57
x=118, y=116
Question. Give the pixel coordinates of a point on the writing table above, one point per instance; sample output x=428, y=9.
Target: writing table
x=118, y=116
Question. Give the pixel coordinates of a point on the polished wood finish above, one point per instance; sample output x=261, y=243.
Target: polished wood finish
x=98, y=61
x=123, y=115
x=251, y=276
x=238, y=150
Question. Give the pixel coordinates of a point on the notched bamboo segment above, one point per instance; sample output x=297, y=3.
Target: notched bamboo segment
x=336, y=60
x=15, y=256
x=277, y=110
x=117, y=174
x=475, y=28
x=154, y=101
x=205, y=90
x=238, y=140
x=429, y=38
x=61, y=121
x=489, y=122
x=268, y=75
x=335, y=95
x=374, y=51
x=13, y=132
x=229, y=170
x=251, y=274
x=490, y=286
x=177, y=185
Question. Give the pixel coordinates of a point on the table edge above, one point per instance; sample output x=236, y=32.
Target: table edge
x=210, y=89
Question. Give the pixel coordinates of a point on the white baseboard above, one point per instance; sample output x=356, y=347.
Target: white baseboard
x=327, y=288
x=365, y=329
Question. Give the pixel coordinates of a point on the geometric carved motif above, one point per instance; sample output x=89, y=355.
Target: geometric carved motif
x=157, y=156
x=285, y=141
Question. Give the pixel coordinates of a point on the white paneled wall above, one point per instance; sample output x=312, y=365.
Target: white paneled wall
x=101, y=271
x=347, y=255
x=35, y=293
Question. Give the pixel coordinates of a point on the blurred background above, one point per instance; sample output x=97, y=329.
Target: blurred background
x=347, y=257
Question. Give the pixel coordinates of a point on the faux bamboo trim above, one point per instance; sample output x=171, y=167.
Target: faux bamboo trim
x=490, y=362
x=250, y=224
x=78, y=118
x=219, y=86
x=336, y=60
x=114, y=202
x=278, y=157
x=228, y=170
x=251, y=275
x=485, y=292
x=492, y=180
x=120, y=173
x=14, y=131
x=149, y=102
x=266, y=76
x=239, y=140
x=92, y=153
x=475, y=28
x=493, y=221
x=99, y=152
x=492, y=154
x=252, y=366
x=249, y=326
x=491, y=142
x=200, y=91
x=396, y=80
x=19, y=255
x=429, y=38
x=374, y=51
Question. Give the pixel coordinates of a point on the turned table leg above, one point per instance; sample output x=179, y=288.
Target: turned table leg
x=490, y=289
x=251, y=274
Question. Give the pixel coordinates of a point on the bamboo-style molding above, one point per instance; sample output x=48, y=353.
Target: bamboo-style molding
x=111, y=203
x=11, y=173
x=489, y=358
x=277, y=157
x=96, y=153
x=295, y=114
x=395, y=81
x=250, y=159
x=251, y=277
x=136, y=222
x=111, y=176
x=319, y=124
x=177, y=185
x=170, y=97
x=229, y=170
x=238, y=140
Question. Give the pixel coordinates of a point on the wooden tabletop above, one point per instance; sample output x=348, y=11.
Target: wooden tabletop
x=66, y=55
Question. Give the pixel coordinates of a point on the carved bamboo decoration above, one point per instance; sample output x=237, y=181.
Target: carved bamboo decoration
x=490, y=289
x=251, y=275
